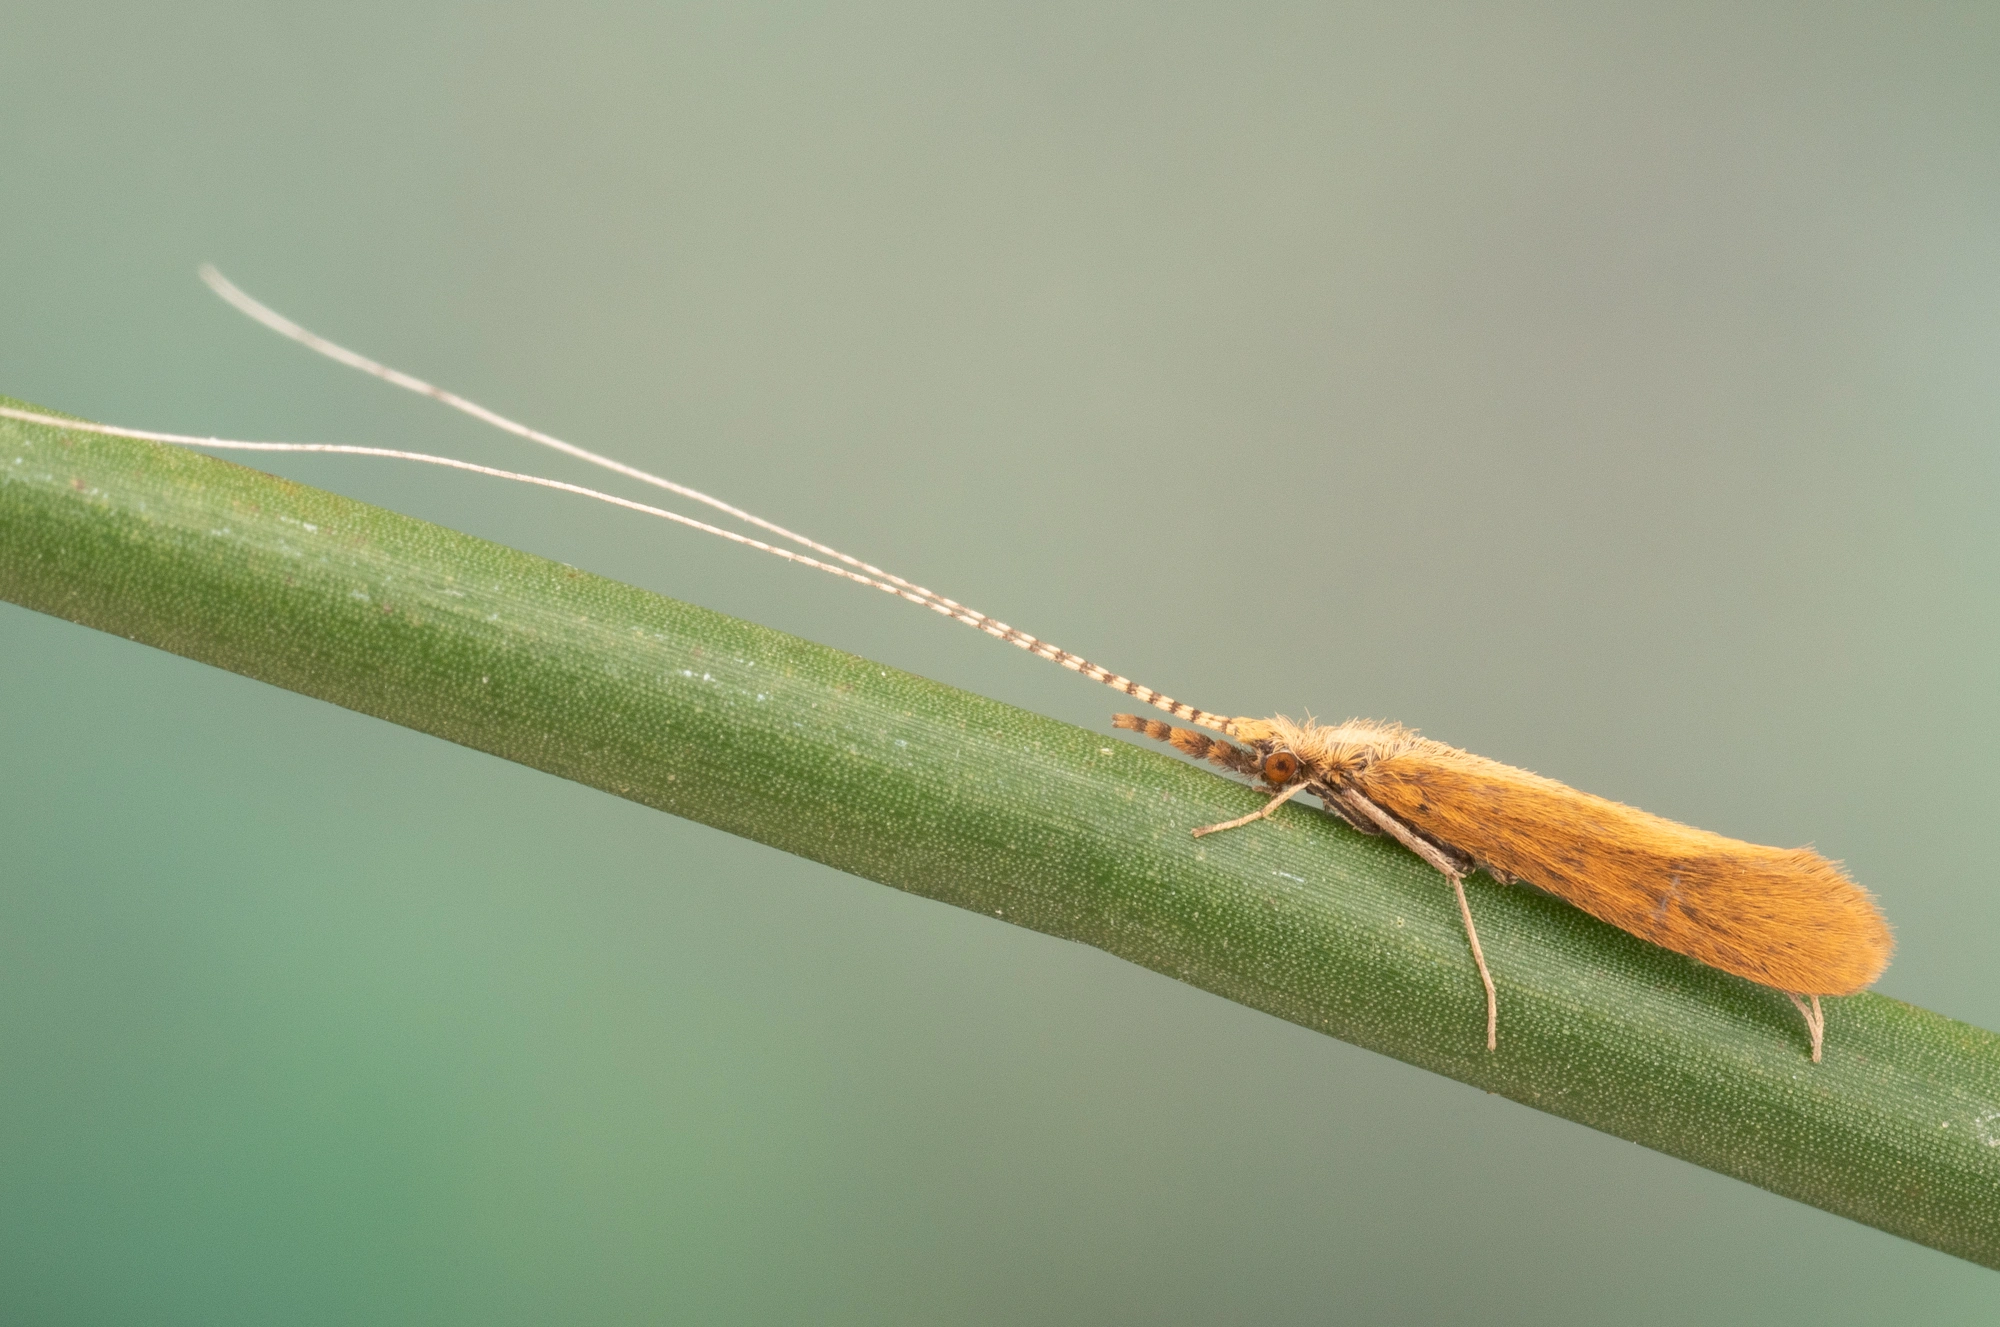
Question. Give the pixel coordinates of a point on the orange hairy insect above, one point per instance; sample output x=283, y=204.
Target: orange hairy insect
x=1784, y=917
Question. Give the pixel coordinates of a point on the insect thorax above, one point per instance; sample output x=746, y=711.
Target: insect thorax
x=1333, y=753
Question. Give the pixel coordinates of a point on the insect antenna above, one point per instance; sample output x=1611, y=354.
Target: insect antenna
x=841, y=564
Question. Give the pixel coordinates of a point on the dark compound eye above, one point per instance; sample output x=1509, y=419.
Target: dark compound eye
x=1280, y=768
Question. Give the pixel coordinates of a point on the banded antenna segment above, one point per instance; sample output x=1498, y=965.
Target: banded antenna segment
x=830, y=560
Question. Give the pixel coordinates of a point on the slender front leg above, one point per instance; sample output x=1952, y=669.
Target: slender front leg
x=1446, y=867
x=1284, y=795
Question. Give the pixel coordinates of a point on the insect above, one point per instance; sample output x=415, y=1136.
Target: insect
x=1783, y=917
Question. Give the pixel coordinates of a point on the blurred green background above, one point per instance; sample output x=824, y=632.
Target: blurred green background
x=1611, y=390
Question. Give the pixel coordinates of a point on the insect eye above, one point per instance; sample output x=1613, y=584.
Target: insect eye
x=1280, y=767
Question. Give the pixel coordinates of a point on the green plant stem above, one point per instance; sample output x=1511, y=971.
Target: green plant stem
x=988, y=807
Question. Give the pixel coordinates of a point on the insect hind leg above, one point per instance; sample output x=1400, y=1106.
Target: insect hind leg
x=1815, y=1019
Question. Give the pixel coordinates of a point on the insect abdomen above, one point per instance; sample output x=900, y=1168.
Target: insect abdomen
x=1786, y=917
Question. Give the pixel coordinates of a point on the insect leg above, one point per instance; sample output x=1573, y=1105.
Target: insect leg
x=1448, y=868
x=1346, y=814
x=1815, y=1019
x=1284, y=795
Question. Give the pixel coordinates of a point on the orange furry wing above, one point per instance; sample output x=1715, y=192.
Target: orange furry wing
x=1786, y=917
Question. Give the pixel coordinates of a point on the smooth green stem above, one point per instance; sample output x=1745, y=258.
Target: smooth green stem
x=991, y=808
